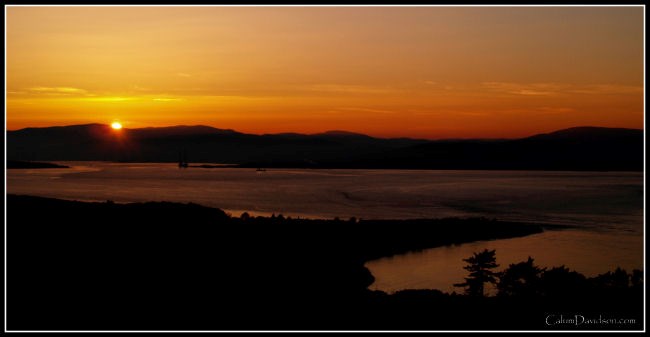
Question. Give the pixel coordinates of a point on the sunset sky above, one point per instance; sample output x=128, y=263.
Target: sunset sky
x=428, y=72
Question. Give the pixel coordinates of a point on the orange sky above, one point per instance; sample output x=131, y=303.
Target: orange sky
x=429, y=72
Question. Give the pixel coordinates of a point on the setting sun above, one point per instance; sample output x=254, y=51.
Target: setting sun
x=415, y=75
x=374, y=167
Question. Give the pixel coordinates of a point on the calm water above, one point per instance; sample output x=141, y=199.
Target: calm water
x=607, y=207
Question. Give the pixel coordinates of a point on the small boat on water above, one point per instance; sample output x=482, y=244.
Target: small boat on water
x=182, y=159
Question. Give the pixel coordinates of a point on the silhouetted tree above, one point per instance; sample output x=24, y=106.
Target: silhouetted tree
x=560, y=281
x=245, y=216
x=619, y=279
x=480, y=267
x=520, y=279
x=637, y=278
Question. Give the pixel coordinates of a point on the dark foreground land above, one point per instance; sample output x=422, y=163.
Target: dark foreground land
x=170, y=266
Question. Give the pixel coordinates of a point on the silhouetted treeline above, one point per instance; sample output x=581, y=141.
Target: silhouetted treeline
x=170, y=266
x=526, y=293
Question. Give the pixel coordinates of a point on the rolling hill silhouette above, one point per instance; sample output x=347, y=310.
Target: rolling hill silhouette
x=579, y=148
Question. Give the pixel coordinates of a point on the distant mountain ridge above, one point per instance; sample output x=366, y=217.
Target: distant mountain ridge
x=180, y=130
x=578, y=148
x=589, y=132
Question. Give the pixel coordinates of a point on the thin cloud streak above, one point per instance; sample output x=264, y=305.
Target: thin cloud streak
x=350, y=89
x=367, y=110
x=58, y=90
x=554, y=89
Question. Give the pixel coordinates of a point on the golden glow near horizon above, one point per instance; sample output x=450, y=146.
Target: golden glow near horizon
x=430, y=72
x=116, y=125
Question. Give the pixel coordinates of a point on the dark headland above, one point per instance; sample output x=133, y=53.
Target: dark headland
x=170, y=266
x=17, y=164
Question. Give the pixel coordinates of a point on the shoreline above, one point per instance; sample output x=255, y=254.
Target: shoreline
x=270, y=168
x=18, y=164
x=173, y=266
x=412, y=236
